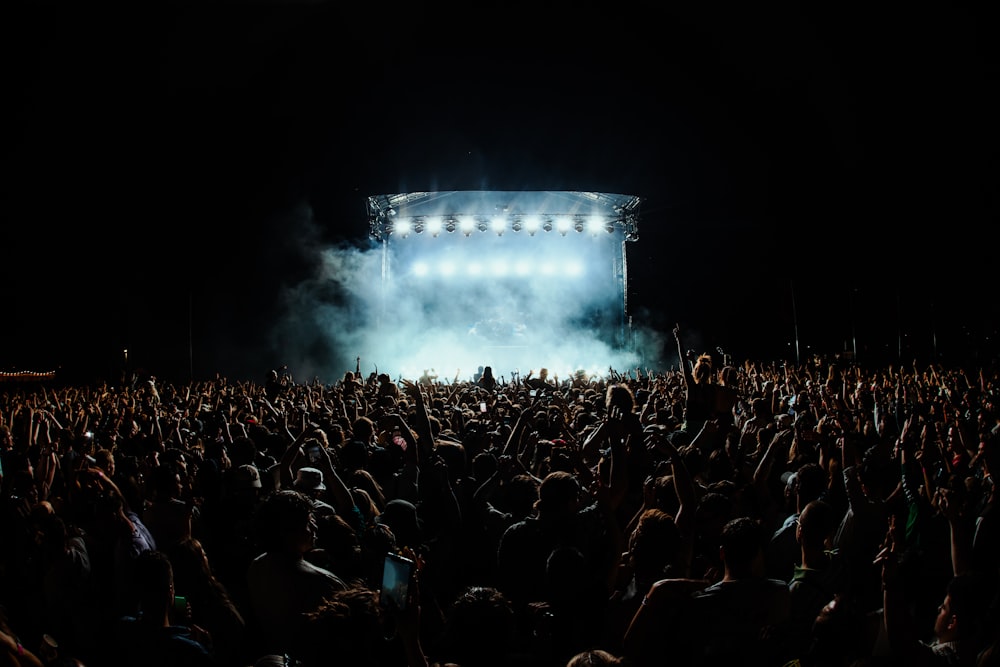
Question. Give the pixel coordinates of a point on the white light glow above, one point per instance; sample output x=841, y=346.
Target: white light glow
x=434, y=225
x=563, y=225
x=420, y=269
x=595, y=224
x=467, y=224
x=498, y=224
x=404, y=226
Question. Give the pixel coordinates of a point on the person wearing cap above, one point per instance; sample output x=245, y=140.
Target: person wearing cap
x=309, y=481
x=314, y=475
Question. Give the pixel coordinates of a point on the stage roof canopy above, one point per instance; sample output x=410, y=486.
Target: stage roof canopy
x=621, y=211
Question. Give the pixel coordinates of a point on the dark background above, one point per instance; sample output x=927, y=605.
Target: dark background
x=813, y=183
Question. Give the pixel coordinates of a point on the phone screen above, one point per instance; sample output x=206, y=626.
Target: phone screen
x=482, y=407
x=396, y=573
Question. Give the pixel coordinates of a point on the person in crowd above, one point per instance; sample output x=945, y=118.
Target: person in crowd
x=283, y=585
x=210, y=605
x=486, y=380
x=154, y=636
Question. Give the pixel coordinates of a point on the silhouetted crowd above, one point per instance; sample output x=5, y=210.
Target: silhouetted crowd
x=817, y=514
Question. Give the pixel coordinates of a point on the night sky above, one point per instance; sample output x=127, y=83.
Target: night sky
x=811, y=182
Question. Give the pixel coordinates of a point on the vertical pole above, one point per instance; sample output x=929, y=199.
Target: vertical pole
x=899, y=332
x=854, y=337
x=190, y=337
x=385, y=280
x=626, y=320
x=933, y=333
x=795, y=325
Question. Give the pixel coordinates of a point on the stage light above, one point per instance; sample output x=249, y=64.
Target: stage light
x=418, y=225
x=499, y=225
x=547, y=225
x=403, y=227
x=420, y=269
x=434, y=225
x=467, y=224
x=595, y=224
x=610, y=227
x=578, y=225
x=481, y=225
x=449, y=226
x=531, y=224
x=516, y=225
x=563, y=225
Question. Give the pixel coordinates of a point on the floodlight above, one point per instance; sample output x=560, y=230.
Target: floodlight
x=434, y=225
x=595, y=224
x=531, y=224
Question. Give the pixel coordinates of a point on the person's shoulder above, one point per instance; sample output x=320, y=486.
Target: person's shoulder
x=523, y=527
x=322, y=574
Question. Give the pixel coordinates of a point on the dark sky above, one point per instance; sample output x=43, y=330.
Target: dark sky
x=811, y=182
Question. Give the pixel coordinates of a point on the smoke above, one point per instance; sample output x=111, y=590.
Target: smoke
x=454, y=303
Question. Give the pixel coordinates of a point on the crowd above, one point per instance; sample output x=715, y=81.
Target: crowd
x=709, y=514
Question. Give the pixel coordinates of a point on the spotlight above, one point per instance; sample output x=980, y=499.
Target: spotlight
x=578, y=225
x=403, y=227
x=481, y=226
x=531, y=224
x=418, y=225
x=434, y=225
x=449, y=226
x=595, y=224
x=516, y=225
x=467, y=224
x=499, y=225
x=563, y=225
x=547, y=225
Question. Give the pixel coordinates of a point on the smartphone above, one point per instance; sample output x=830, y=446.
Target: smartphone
x=397, y=571
x=533, y=393
x=314, y=454
x=482, y=406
